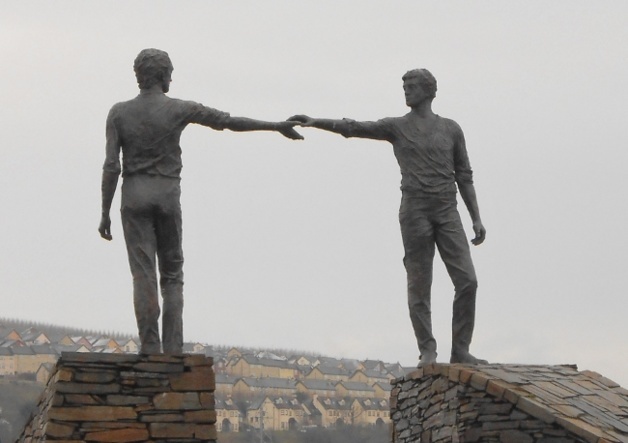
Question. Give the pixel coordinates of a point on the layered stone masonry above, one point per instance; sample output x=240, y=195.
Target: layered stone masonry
x=126, y=398
x=508, y=404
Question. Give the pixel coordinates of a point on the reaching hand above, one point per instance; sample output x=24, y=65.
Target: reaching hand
x=105, y=227
x=480, y=233
x=304, y=120
x=287, y=130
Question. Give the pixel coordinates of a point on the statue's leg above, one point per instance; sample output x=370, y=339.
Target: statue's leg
x=418, y=242
x=170, y=253
x=453, y=247
x=141, y=245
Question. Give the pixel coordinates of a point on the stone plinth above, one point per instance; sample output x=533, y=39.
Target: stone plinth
x=508, y=404
x=126, y=398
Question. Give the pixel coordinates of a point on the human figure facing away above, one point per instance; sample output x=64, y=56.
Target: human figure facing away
x=433, y=159
x=147, y=129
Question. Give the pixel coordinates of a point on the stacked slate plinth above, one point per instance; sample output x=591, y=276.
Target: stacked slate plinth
x=508, y=404
x=126, y=398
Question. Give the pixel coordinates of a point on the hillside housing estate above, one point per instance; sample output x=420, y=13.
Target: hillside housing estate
x=254, y=390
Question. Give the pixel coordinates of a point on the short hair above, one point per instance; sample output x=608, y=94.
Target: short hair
x=151, y=66
x=426, y=79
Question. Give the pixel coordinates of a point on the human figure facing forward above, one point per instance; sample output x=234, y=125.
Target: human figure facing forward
x=433, y=159
x=147, y=129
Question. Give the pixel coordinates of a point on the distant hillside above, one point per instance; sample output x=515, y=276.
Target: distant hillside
x=56, y=332
x=8, y=324
x=29, y=350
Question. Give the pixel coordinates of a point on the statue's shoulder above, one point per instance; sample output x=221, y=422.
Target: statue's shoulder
x=118, y=109
x=120, y=105
x=185, y=106
x=181, y=101
x=450, y=125
x=449, y=121
x=393, y=121
x=123, y=105
x=178, y=101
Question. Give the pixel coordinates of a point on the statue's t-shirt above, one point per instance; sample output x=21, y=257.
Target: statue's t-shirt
x=431, y=161
x=148, y=130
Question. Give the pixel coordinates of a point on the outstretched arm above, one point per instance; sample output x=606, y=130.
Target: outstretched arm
x=348, y=128
x=327, y=124
x=220, y=120
x=241, y=124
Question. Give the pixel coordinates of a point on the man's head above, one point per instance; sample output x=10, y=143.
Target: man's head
x=419, y=85
x=153, y=67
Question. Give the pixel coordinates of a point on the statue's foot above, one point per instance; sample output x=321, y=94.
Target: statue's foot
x=466, y=359
x=150, y=348
x=427, y=358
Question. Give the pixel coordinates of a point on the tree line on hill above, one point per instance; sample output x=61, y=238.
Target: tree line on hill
x=8, y=324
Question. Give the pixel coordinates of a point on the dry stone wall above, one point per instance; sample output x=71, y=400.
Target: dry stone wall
x=508, y=404
x=126, y=398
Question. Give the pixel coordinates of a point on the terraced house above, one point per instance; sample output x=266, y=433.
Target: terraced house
x=370, y=412
x=329, y=373
x=228, y=416
x=249, y=386
x=276, y=413
x=334, y=412
x=251, y=366
x=321, y=388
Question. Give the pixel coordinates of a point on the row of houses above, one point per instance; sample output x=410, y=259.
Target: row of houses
x=280, y=413
x=247, y=387
x=276, y=392
x=254, y=390
x=34, y=337
x=25, y=353
x=241, y=365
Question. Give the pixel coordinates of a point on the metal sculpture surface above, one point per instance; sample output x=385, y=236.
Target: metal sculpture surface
x=433, y=158
x=147, y=129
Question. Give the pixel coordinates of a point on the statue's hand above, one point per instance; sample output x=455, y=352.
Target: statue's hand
x=302, y=119
x=480, y=233
x=105, y=227
x=287, y=130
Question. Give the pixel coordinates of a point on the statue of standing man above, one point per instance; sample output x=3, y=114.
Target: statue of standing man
x=433, y=158
x=147, y=129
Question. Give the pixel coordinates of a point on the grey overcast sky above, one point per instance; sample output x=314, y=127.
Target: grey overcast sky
x=296, y=245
